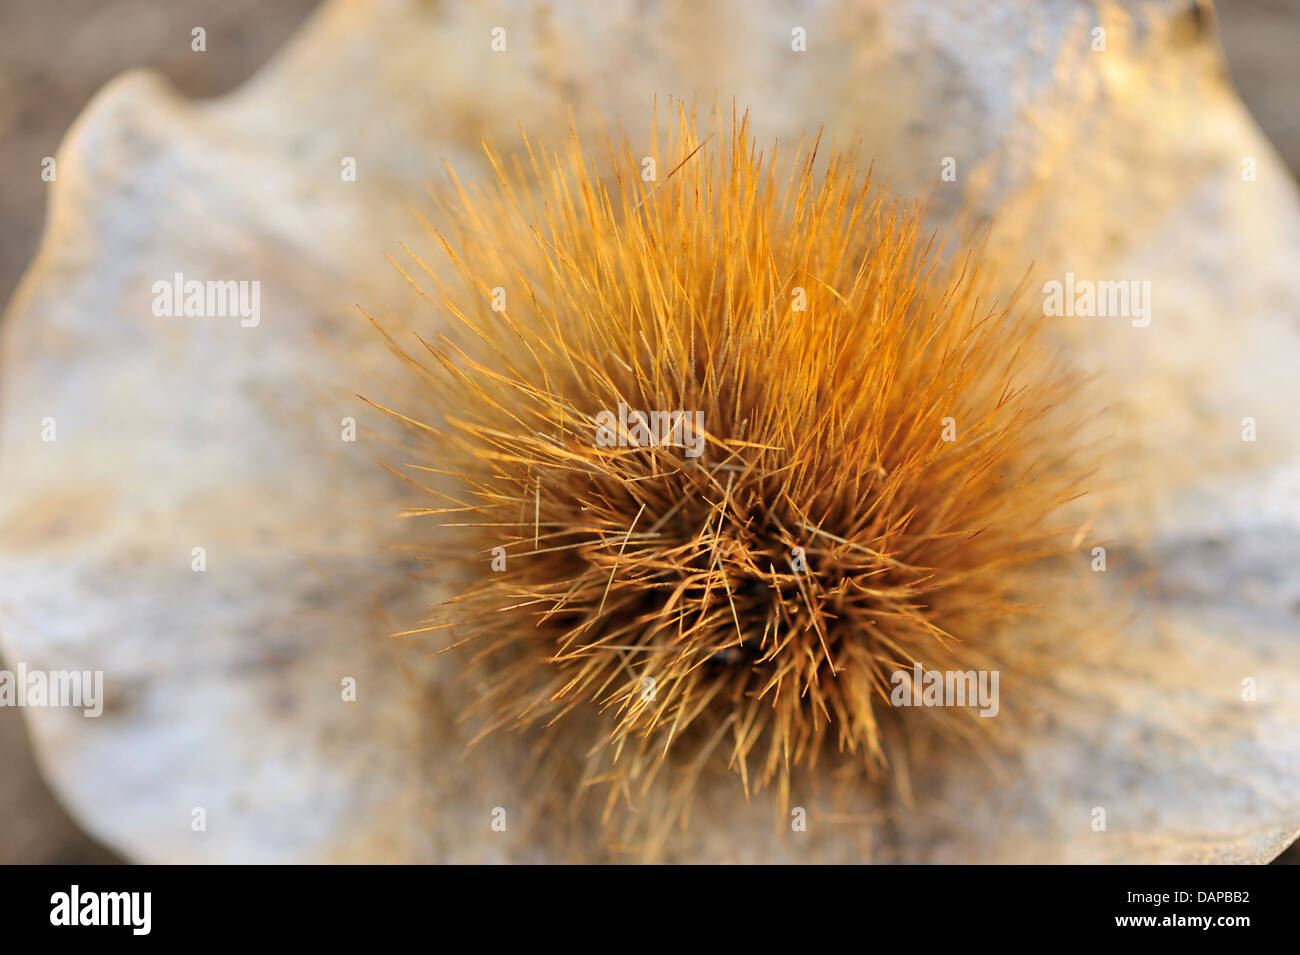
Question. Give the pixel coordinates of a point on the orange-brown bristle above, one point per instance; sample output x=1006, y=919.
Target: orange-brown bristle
x=876, y=462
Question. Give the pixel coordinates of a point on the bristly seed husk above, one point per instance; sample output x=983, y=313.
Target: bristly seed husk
x=878, y=460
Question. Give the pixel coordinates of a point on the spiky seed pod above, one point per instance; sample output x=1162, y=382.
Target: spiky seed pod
x=874, y=466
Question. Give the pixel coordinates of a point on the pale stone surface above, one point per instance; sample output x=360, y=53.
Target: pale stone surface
x=224, y=686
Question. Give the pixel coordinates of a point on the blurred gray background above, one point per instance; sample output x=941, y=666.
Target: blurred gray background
x=55, y=54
